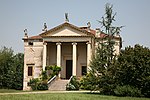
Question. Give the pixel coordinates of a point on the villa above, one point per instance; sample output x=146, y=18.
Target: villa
x=66, y=45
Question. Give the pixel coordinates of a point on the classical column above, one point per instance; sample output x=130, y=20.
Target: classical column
x=58, y=55
x=74, y=72
x=88, y=54
x=44, y=55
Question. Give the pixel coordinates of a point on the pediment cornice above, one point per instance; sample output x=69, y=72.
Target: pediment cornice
x=66, y=24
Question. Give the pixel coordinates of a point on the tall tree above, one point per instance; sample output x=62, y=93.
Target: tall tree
x=6, y=70
x=105, y=50
x=102, y=63
x=107, y=43
x=18, y=65
x=11, y=69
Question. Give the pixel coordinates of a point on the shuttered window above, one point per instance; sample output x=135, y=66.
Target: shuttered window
x=30, y=71
x=84, y=70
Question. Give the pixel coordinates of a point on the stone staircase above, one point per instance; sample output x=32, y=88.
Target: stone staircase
x=58, y=85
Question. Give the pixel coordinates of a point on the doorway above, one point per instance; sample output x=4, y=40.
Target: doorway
x=68, y=69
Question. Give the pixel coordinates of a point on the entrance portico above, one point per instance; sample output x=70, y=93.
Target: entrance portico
x=65, y=43
x=70, y=56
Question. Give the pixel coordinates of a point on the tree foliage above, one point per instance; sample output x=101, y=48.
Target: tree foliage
x=103, y=62
x=6, y=69
x=73, y=84
x=127, y=74
x=133, y=68
x=18, y=65
x=11, y=69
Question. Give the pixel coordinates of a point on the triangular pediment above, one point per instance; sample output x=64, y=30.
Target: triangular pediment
x=66, y=29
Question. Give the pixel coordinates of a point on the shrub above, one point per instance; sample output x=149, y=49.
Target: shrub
x=34, y=83
x=146, y=87
x=73, y=84
x=42, y=86
x=133, y=68
x=54, y=70
x=44, y=75
x=69, y=86
x=88, y=82
x=127, y=91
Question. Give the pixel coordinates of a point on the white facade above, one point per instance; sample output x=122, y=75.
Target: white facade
x=66, y=45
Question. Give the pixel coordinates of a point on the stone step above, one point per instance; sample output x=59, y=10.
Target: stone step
x=58, y=85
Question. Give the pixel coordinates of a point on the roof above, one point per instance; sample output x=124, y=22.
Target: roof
x=69, y=25
x=102, y=34
x=35, y=37
x=86, y=30
x=89, y=30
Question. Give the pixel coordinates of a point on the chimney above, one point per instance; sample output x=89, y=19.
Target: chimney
x=98, y=32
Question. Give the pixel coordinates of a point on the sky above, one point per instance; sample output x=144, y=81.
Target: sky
x=17, y=15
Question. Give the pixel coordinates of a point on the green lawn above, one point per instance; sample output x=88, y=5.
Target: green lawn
x=65, y=96
x=9, y=91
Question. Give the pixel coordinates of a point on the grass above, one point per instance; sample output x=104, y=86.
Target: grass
x=9, y=91
x=65, y=96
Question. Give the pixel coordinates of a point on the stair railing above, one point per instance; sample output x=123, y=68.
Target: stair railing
x=51, y=80
x=70, y=79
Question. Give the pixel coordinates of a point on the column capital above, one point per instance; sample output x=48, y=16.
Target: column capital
x=44, y=43
x=88, y=42
x=58, y=43
x=74, y=43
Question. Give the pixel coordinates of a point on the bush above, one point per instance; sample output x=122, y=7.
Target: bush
x=42, y=86
x=34, y=83
x=88, y=82
x=69, y=86
x=106, y=85
x=55, y=69
x=73, y=84
x=44, y=75
x=127, y=91
x=133, y=68
x=146, y=87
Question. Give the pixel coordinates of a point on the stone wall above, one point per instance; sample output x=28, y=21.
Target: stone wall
x=32, y=57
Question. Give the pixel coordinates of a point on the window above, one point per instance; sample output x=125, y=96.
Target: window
x=30, y=43
x=30, y=71
x=84, y=70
